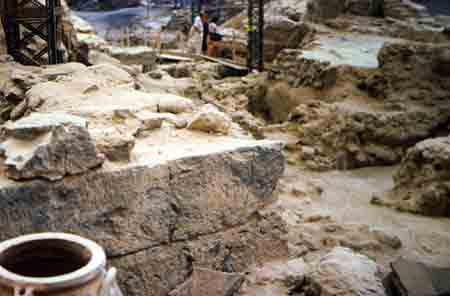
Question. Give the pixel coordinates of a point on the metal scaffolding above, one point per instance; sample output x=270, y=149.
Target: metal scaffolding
x=255, y=30
x=25, y=20
x=255, y=26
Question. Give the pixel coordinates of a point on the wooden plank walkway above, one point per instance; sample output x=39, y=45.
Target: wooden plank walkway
x=185, y=57
x=226, y=63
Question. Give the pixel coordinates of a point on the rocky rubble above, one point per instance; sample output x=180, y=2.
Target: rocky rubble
x=339, y=272
x=411, y=71
x=185, y=201
x=355, y=138
x=350, y=117
x=320, y=10
x=168, y=192
x=299, y=71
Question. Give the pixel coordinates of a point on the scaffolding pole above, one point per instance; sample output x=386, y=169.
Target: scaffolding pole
x=25, y=20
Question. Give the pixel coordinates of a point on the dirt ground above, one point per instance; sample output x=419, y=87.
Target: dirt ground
x=345, y=197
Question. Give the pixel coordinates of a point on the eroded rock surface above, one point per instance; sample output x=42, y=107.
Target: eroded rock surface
x=159, y=215
x=50, y=146
x=422, y=182
x=343, y=272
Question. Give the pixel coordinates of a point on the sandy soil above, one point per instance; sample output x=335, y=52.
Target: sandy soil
x=345, y=196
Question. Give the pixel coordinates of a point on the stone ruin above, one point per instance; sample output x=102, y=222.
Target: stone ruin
x=164, y=168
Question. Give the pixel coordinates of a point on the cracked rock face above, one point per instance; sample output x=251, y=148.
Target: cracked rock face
x=157, y=219
x=50, y=146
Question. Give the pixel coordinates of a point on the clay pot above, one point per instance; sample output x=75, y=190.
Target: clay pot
x=55, y=264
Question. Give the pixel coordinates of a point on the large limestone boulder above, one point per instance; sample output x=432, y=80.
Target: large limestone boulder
x=50, y=146
x=422, y=183
x=343, y=272
x=184, y=200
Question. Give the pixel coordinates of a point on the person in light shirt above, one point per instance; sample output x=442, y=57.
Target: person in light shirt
x=196, y=36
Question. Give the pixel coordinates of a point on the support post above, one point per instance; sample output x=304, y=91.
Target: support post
x=196, y=7
x=24, y=20
x=52, y=33
x=255, y=29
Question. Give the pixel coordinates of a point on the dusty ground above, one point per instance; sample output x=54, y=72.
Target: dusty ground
x=345, y=197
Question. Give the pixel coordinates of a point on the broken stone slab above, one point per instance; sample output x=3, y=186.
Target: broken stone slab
x=38, y=123
x=50, y=146
x=199, y=199
x=410, y=278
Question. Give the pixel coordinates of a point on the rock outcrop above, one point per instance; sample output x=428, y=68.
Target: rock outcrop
x=422, y=183
x=319, y=11
x=411, y=71
x=364, y=138
x=299, y=71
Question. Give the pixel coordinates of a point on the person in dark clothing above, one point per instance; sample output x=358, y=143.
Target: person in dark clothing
x=205, y=22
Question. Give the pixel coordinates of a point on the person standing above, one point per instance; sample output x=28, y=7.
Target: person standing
x=195, y=36
x=205, y=36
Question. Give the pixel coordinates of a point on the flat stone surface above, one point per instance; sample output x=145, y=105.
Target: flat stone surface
x=37, y=123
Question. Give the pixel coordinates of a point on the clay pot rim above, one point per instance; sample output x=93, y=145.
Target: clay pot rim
x=91, y=270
